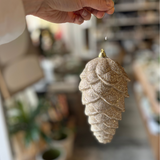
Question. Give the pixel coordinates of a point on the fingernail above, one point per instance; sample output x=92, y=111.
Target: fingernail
x=84, y=13
x=80, y=19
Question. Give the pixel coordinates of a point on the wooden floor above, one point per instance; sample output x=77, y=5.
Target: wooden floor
x=129, y=143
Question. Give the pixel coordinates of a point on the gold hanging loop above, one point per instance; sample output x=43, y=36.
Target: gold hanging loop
x=102, y=54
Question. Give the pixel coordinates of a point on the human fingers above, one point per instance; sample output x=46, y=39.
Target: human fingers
x=84, y=13
x=100, y=5
x=111, y=11
x=98, y=14
x=74, y=18
x=62, y=17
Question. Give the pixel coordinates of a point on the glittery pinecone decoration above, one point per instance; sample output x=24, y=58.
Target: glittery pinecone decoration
x=104, y=87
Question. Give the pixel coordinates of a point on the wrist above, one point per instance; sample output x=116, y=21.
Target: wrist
x=31, y=6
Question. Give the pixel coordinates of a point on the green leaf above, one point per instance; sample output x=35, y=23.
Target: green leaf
x=35, y=134
x=23, y=115
x=46, y=138
x=27, y=139
x=42, y=106
x=25, y=121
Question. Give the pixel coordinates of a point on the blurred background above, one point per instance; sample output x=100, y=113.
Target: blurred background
x=40, y=97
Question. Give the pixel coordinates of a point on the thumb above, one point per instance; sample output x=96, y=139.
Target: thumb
x=101, y=5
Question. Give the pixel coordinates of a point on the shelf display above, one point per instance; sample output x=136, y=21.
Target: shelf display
x=146, y=70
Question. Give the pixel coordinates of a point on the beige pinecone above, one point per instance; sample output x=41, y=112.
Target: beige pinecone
x=104, y=87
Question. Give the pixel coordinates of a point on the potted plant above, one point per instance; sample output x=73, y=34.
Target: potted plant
x=64, y=138
x=27, y=134
x=52, y=153
x=61, y=133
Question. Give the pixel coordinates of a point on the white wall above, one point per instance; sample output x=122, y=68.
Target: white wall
x=5, y=148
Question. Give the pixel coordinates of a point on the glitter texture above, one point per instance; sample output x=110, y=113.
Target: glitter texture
x=104, y=87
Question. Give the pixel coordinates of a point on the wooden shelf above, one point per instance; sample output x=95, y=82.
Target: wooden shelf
x=129, y=35
x=63, y=87
x=133, y=21
x=150, y=93
x=153, y=139
x=147, y=87
x=126, y=7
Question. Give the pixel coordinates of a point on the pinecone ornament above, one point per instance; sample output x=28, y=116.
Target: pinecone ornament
x=104, y=87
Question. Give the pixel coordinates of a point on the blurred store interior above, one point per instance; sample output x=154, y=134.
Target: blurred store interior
x=42, y=103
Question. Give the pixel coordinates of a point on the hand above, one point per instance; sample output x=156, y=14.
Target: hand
x=73, y=11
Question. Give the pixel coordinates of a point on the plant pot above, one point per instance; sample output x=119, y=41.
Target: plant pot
x=23, y=152
x=52, y=154
x=67, y=142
